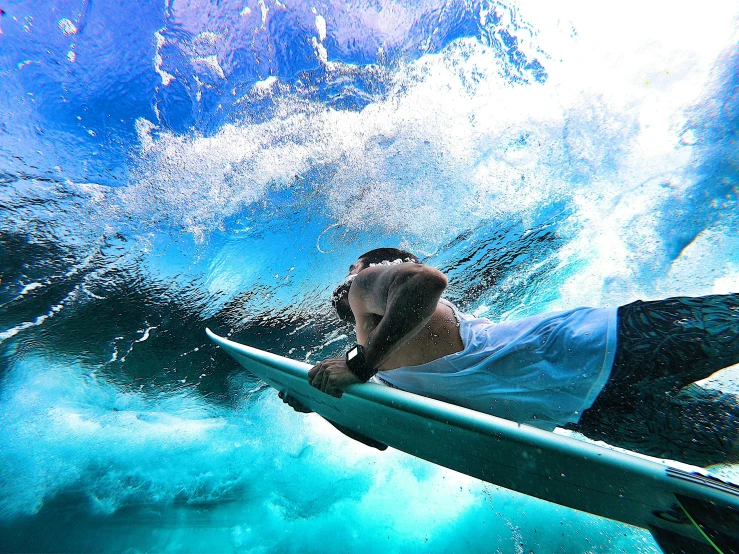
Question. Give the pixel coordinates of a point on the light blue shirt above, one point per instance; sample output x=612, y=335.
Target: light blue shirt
x=543, y=370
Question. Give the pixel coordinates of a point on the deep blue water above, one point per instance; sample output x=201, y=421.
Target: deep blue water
x=166, y=166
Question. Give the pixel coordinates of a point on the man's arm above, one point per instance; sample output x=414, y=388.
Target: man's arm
x=404, y=297
x=298, y=406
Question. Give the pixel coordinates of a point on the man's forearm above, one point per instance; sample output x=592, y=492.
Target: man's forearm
x=411, y=303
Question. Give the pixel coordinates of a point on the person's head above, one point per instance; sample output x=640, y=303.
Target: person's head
x=379, y=256
x=340, y=302
x=340, y=297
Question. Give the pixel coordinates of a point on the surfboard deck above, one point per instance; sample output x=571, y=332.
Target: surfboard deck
x=545, y=465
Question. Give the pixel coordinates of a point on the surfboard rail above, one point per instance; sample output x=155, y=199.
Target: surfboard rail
x=629, y=488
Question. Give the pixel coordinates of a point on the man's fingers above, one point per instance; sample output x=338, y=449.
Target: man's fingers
x=334, y=391
x=294, y=403
x=333, y=385
x=314, y=375
x=313, y=372
x=325, y=379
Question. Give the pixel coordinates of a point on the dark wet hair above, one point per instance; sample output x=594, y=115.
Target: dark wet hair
x=379, y=255
x=340, y=297
x=340, y=302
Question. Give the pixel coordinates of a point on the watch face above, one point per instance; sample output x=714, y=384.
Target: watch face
x=352, y=353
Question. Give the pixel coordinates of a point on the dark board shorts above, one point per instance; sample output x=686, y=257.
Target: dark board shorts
x=649, y=404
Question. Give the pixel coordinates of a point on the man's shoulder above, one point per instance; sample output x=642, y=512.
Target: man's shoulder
x=379, y=274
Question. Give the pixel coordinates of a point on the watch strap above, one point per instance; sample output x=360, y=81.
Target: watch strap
x=358, y=365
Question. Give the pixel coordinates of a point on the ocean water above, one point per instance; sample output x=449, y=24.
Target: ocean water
x=171, y=165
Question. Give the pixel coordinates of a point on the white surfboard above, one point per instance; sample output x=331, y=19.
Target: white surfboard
x=686, y=510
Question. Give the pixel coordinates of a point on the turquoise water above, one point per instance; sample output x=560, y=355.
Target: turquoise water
x=175, y=165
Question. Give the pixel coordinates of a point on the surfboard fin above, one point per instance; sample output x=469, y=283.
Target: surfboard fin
x=718, y=525
x=672, y=543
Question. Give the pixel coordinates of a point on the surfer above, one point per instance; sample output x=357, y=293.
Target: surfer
x=623, y=375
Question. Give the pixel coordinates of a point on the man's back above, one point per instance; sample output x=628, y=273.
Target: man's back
x=544, y=370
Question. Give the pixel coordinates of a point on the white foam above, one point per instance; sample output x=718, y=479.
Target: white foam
x=454, y=143
x=166, y=77
x=29, y=287
x=39, y=320
x=264, y=10
x=211, y=63
x=321, y=27
x=728, y=283
x=264, y=86
x=145, y=334
x=285, y=474
x=67, y=27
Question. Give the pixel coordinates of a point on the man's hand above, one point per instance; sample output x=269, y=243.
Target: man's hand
x=332, y=376
x=293, y=402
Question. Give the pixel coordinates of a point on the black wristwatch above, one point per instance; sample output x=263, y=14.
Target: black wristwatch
x=357, y=364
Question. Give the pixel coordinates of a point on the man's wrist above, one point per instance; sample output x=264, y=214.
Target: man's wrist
x=357, y=364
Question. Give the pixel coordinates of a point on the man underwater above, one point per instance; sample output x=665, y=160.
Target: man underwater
x=623, y=375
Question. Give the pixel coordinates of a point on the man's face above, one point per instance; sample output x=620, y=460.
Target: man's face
x=356, y=267
x=340, y=297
